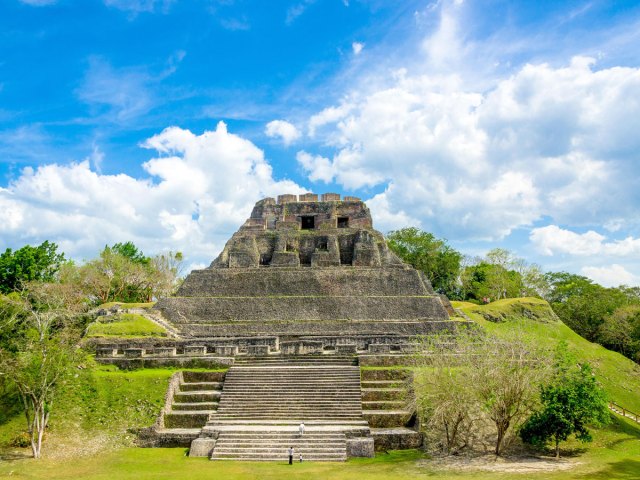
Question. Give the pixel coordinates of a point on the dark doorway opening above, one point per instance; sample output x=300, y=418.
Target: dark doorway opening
x=308, y=223
x=265, y=259
x=343, y=222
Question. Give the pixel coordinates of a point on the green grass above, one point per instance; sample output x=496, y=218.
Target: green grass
x=103, y=401
x=125, y=325
x=615, y=454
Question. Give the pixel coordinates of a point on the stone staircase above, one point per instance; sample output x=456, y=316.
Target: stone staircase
x=195, y=399
x=270, y=445
x=264, y=401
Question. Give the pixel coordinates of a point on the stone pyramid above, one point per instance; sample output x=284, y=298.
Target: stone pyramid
x=304, y=275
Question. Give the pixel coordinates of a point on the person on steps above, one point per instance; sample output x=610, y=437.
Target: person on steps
x=301, y=428
x=290, y=455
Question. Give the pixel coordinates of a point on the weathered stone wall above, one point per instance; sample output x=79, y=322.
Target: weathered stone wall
x=212, y=310
x=264, y=282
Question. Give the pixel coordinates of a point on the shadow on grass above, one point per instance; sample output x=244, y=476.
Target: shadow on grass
x=11, y=455
x=624, y=469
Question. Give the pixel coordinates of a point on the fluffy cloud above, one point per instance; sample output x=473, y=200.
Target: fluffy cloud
x=611, y=276
x=357, y=47
x=545, y=142
x=551, y=240
x=199, y=190
x=283, y=130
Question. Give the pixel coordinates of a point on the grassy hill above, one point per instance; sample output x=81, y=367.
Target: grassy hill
x=618, y=375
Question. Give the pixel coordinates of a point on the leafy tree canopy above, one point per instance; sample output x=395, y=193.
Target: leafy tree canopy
x=571, y=401
x=432, y=256
x=29, y=264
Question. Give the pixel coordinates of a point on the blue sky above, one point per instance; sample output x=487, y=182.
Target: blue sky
x=489, y=123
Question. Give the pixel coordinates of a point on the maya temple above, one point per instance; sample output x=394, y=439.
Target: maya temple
x=302, y=296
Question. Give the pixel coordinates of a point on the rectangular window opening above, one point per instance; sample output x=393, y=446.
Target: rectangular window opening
x=308, y=223
x=343, y=222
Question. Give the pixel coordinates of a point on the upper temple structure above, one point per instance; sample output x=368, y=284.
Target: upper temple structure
x=306, y=269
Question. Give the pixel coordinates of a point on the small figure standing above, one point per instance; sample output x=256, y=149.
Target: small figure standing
x=290, y=455
x=301, y=428
x=300, y=458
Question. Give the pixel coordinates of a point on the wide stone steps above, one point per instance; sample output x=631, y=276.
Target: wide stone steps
x=268, y=395
x=273, y=446
x=197, y=396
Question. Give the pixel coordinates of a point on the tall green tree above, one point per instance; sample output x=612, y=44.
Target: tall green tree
x=40, y=349
x=29, y=264
x=432, y=256
x=571, y=402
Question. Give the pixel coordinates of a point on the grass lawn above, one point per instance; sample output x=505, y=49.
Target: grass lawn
x=615, y=454
x=125, y=325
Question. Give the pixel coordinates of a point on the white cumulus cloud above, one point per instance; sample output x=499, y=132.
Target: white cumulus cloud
x=545, y=142
x=199, y=189
x=282, y=129
x=611, y=276
x=551, y=240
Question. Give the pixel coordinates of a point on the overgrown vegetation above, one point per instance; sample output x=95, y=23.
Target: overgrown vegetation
x=125, y=324
x=609, y=316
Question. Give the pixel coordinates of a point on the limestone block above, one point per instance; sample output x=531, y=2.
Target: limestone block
x=194, y=350
x=349, y=198
x=165, y=351
x=346, y=349
x=105, y=352
x=287, y=225
x=330, y=197
x=287, y=198
x=285, y=259
x=225, y=350
x=379, y=348
x=202, y=447
x=308, y=197
x=257, y=350
x=360, y=447
x=325, y=259
x=134, y=352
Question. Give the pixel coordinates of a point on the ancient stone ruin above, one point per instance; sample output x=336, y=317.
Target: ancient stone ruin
x=306, y=276
x=301, y=296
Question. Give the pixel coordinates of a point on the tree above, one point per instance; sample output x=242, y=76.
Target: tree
x=29, y=264
x=40, y=352
x=504, y=375
x=444, y=395
x=476, y=378
x=620, y=331
x=122, y=273
x=570, y=402
x=432, y=256
x=581, y=304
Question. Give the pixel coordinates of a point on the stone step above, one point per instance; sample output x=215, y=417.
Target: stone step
x=211, y=406
x=278, y=449
x=203, y=376
x=382, y=384
x=198, y=396
x=186, y=418
x=190, y=387
x=383, y=405
x=289, y=422
x=273, y=458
